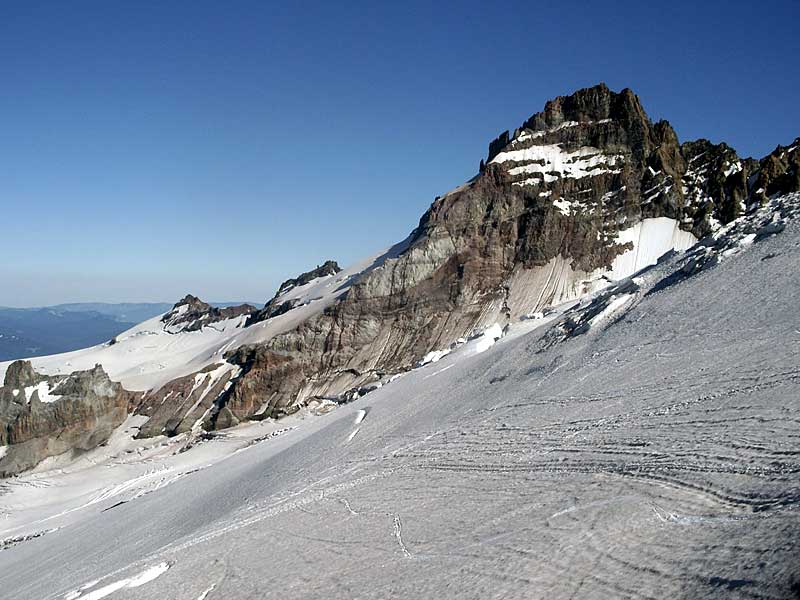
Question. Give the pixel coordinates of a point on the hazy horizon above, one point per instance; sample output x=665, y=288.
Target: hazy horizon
x=144, y=302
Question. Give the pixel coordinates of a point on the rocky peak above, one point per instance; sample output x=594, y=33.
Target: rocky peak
x=593, y=156
x=278, y=306
x=192, y=302
x=595, y=103
x=329, y=267
x=596, y=150
x=569, y=118
x=192, y=314
x=778, y=173
x=20, y=374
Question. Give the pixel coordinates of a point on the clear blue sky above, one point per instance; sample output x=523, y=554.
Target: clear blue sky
x=150, y=149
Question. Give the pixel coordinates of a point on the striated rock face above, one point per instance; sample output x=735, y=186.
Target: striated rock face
x=548, y=205
x=182, y=404
x=192, y=314
x=259, y=392
x=550, y=212
x=43, y=416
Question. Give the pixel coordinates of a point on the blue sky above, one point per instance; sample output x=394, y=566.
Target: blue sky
x=150, y=149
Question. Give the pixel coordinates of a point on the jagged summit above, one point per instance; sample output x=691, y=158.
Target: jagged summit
x=588, y=106
x=190, y=300
x=329, y=267
x=595, y=103
x=282, y=303
x=192, y=314
x=600, y=140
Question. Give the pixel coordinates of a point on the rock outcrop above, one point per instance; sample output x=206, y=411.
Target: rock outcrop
x=192, y=314
x=278, y=305
x=714, y=184
x=182, y=404
x=43, y=416
x=778, y=173
x=326, y=269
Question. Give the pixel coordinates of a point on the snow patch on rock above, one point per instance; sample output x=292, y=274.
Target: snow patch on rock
x=651, y=239
x=44, y=392
x=550, y=162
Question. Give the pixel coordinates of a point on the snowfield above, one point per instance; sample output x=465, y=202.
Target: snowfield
x=147, y=356
x=653, y=456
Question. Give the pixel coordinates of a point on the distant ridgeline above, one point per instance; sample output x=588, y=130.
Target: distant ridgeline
x=45, y=330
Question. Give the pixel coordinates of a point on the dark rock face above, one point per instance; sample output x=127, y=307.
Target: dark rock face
x=495, y=146
x=80, y=413
x=718, y=186
x=778, y=173
x=192, y=314
x=714, y=184
x=176, y=407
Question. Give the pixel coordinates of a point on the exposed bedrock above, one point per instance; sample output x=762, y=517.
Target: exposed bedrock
x=535, y=227
x=42, y=416
x=192, y=314
x=183, y=403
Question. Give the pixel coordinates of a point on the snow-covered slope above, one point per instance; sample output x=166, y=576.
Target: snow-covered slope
x=653, y=455
x=146, y=355
x=149, y=355
x=651, y=239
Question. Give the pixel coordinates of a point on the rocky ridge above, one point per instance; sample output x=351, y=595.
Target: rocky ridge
x=278, y=305
x=605, y=307
x=559, y=209
x=192, y=314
